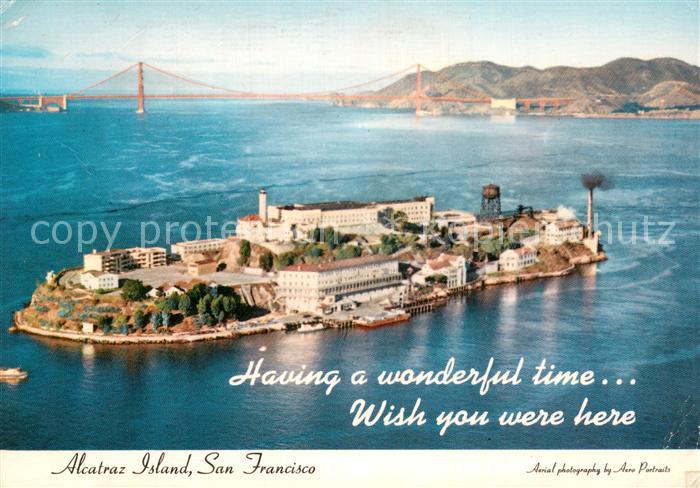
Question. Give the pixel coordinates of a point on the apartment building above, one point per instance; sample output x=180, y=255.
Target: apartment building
x=120, y=260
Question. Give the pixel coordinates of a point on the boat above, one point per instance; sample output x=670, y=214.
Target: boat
x=388, y=319
x=311, y=327
x=12, y=374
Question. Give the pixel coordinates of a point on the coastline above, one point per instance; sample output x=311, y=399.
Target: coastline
x=222, y=333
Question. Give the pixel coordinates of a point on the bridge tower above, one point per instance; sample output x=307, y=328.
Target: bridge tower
x=140, y=110
x=418, y=104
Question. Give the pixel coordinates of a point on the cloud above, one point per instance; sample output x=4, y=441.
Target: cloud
x=19, y=51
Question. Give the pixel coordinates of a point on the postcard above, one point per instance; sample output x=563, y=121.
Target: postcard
x=349, y=244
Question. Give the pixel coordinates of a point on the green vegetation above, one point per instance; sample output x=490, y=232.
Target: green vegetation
x=104, y=322
x=286, y=259
x=244, y=251
x=266, y=261
x=348, y=251
x=134, y=291
x=139, y=320
x=156, y=320
x=120, y=324
x=438, y=278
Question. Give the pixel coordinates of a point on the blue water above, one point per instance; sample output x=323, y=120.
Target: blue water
x=637, y=317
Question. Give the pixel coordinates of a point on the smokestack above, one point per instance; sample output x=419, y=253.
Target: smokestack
x=589, y=225
x=262, y=205
x=591, y=181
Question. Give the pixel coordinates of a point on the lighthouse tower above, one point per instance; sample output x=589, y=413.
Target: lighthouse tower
x=262, y=205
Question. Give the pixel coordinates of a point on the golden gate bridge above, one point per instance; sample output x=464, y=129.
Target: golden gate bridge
x=418, y=97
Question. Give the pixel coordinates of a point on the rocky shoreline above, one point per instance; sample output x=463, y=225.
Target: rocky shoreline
x=177, y=338
x=224, y=333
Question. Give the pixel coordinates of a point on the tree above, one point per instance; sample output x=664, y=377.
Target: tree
x=217, y=306
x=133, y=291
x=197, y=292
x=229, y=304
x=266, y=261
x=244, y=251
x=165, y=318
x=139, y=320
x=348, y=251
x=329, y=237
x=120, y=324
x=389, y=244
x=172, y=302
x=185, y=304
x=104, y=322
x=285, y=259
x=204, y=305
x=156, y=320
x=202, y=319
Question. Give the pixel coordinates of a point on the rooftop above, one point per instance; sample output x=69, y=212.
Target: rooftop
x=340, y=264
x=523, y=250
x=346, y=204
x=567, y=224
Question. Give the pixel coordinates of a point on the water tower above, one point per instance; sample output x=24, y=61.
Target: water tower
x=490, y=202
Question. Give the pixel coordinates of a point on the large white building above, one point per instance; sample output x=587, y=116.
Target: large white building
x=282, y=222
x=320, y=287
x=187, y=248
x=96, y=280
x=454, y=268
x=561, y=231
x=517, y=259
x=120, y=260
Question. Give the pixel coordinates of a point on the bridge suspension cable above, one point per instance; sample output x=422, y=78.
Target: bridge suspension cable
x=193, y=82
x=95, y=85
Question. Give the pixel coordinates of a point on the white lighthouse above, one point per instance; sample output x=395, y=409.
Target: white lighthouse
x=262, y=205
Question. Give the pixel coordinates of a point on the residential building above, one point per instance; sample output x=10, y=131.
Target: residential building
x=164, y=291
x=120, y=260
x=517, y=259
x=320, y=287
x=561, y=231
x=97, y=280
x=187, y=248
x=454, y=268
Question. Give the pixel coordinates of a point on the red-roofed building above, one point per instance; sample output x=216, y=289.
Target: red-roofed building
x=454, y=268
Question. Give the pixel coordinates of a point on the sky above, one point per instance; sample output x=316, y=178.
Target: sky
x=47, y=45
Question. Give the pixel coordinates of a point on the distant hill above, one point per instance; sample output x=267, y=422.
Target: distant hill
x=656, y=83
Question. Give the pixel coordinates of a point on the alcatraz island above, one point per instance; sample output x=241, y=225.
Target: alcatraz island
x=304, y=267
